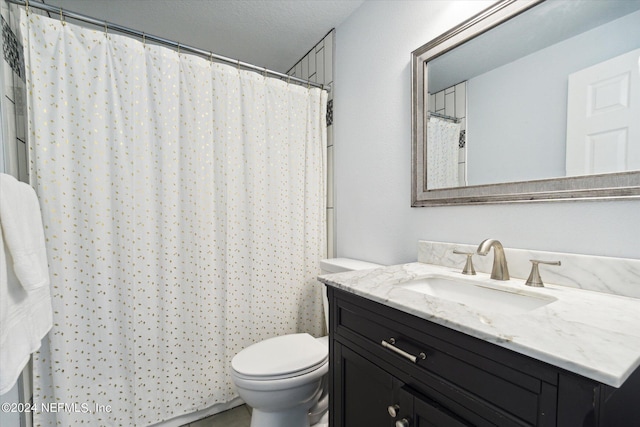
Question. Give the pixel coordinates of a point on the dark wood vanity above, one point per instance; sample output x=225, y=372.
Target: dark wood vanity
x=456, y=379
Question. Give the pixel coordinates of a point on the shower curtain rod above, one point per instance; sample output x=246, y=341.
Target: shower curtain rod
x=129, y=31
x=442, y=116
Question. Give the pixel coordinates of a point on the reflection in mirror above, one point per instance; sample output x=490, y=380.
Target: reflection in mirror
x=443, y=170
x=518, y=77
x=538, y=91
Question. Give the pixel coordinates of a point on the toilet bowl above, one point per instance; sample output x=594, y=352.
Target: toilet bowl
x=284, y=379
x=280, y=379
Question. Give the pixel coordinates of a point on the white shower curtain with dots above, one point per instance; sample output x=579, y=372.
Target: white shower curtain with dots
x=442, y=153
x=184, y=210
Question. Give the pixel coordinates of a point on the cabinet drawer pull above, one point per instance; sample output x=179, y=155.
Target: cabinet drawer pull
x=393, y=410
x=403, y=353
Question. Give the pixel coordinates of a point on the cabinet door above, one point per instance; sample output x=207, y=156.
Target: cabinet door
x=361, y=391
x=420, y=411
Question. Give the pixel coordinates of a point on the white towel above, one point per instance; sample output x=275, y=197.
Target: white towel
x=22, y=228
x=25, y=298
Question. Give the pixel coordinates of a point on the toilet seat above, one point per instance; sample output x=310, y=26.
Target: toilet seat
x=280, y=357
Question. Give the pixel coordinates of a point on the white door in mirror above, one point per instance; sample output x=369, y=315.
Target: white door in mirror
x=603, y=117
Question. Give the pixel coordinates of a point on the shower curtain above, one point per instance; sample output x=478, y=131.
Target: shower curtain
x=442, y=153
x=184, y=210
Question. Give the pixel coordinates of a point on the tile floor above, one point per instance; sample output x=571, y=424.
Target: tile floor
x=236, y=417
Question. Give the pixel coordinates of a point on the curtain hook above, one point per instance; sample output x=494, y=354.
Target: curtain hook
x=288, y=79
x=211, y=57
x=26, y=7
x=106, y=29
x=264, y=74
x=144, y=40
x=178, y=48
x=238, y=65
x=62, y=18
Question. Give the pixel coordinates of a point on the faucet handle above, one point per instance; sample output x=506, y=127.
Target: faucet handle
x=534, y=277
x=468, y=267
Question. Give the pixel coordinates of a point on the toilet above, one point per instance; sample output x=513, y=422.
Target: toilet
x=284, y=379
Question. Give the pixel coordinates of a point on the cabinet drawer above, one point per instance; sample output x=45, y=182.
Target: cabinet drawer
x=498, y=384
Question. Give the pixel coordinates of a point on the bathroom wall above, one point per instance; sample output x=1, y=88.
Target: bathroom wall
x=14, y=147
x=373, y=152
x=317, y=66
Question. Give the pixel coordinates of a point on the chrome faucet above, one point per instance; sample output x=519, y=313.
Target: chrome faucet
x=499, y=270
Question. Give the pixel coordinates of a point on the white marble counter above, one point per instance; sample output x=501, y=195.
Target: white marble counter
x=619, y=276
x=589, y=333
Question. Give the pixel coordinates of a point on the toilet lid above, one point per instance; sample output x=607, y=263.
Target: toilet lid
x=286, y=354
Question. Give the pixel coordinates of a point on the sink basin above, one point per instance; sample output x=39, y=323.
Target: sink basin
x=477, y=295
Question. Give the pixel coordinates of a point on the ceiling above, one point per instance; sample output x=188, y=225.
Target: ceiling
x=267, y=33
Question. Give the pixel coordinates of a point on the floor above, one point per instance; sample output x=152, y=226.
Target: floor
x=236, y=417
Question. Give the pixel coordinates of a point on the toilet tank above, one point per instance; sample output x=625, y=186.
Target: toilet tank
x=338, y=265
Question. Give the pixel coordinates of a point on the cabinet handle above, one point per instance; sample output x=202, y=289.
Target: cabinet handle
x=403, y=423
x=403, y=353
x=393, y=410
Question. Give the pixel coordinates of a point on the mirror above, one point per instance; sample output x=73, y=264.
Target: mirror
x=529, y=100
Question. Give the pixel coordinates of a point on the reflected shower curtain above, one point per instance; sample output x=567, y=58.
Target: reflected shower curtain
x=442, y=153
x=184, y=209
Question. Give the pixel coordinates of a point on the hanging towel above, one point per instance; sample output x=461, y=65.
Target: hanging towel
x=25, y=297
x=23, y=232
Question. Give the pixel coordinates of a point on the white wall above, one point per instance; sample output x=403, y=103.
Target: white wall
x=373, y=151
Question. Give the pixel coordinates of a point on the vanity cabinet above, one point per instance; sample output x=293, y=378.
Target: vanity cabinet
x=430, y=375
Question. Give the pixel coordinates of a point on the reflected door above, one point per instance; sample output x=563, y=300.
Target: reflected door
x=603, y=117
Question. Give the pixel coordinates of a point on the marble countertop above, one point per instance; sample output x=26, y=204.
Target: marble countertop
x=592, y=334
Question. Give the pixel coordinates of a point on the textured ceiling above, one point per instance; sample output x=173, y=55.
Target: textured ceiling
x=267, y=33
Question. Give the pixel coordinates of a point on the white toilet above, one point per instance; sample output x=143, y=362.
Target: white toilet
x=284, y=378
